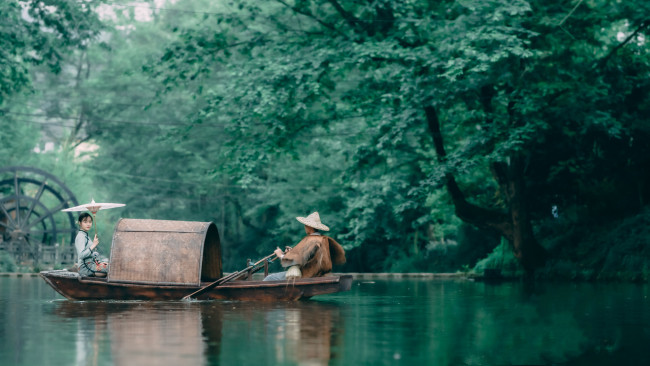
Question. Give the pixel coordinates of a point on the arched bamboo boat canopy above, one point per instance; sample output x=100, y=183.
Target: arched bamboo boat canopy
x=165, y=252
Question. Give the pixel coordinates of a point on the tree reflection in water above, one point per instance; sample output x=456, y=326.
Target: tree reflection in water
x=391, y=322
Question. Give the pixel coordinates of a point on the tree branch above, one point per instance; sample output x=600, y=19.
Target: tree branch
x=311, y=16
x=349, y=18
x=604, y=60
x=571, y=12
x=470, y=213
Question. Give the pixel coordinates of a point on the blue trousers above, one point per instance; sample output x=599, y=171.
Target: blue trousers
x=280, y=276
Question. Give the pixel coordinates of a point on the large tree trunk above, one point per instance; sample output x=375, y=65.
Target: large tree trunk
x=525, y=247
x=514, y=224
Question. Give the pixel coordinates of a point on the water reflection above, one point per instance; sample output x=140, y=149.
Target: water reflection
x=303, y=333
x=465, y=323
x=127, y=333
x=144, y=335
x=395, y=322
x=194, y=333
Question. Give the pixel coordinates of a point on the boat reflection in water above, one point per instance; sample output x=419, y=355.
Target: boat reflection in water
x=204, y=332
x=304, y=333
x=128, y=333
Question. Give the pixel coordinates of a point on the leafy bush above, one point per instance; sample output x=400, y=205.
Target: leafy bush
x=458, y=252
x=7, y=263
x=500, y=259
x=619, y=250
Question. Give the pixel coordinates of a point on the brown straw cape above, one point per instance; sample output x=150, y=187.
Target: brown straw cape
x=313, y=220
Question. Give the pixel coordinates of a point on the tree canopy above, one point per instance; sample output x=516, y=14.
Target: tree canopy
x=416, y=128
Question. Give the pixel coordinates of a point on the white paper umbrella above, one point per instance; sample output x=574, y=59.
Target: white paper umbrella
x=93, y=207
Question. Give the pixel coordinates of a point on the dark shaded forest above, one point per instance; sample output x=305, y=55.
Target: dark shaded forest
x=431, y=136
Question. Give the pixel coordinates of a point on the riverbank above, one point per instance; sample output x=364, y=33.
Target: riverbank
x=356, y=276
x=491, y=276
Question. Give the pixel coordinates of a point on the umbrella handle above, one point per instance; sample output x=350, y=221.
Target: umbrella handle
x=95, y=224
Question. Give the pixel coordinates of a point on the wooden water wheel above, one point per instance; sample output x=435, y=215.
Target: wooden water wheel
x=32, y=227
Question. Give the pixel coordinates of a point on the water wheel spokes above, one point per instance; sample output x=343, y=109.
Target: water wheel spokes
x=31, y=201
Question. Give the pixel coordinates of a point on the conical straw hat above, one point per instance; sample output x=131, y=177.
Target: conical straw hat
x=313, y=220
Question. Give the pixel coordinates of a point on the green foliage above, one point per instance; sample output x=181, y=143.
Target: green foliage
x=266, y=110
x=7, y=263
x=502, y=260
x=251, y=113
x=40, y=32
x=616, y=250
x=17, y=140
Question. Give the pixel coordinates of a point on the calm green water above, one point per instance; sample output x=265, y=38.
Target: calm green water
x=391, y=322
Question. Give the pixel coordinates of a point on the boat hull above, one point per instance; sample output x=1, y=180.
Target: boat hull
x=73, y=287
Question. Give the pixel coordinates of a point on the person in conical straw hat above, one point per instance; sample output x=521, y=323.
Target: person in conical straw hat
x=313, y=256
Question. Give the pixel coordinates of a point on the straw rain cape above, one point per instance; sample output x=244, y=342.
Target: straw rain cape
x=315, y=255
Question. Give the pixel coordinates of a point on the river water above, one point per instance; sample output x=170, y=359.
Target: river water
x=378, y=322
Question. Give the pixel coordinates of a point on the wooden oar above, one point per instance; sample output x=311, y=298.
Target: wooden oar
x=223, y=280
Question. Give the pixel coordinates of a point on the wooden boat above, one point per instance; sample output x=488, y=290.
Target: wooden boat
x=167, y=260
x=74, y=287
